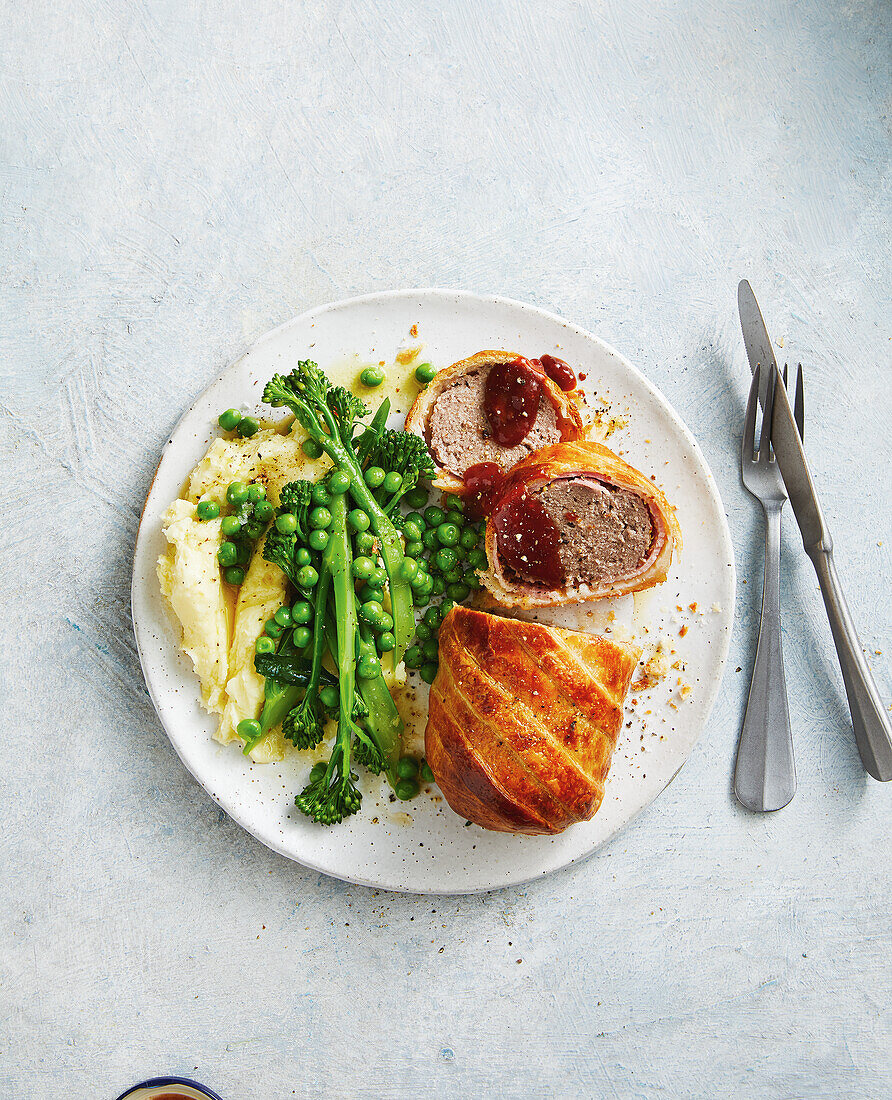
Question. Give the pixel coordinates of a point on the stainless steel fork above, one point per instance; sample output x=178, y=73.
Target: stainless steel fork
x=765, y=775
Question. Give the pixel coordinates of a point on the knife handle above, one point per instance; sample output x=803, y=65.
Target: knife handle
x=870, y=721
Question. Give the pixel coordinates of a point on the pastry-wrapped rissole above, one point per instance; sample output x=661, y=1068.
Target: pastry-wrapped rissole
x=523, y=720
x=450, y=414
x=577, y=522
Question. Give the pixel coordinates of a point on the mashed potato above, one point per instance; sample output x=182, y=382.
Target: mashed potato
x=190, y=579
x=220, y=642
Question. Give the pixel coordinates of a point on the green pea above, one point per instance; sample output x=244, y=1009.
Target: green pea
x=385, y=624
x=434, y=516
x=417, y=518
x=393, y=482
x=407, y=767
x=477, y=558
x=374, y=476
x=414, y=548
x=468, y=539
x=439, y=586
x=237, y=493
x=329, y=696
x=460, y=553
x=455, y=517
x=418, y=581
x=371, y=376
x=367, y=668
x=427, y=776
x=429, y=672
x=247, y=427
x=228, y=420
x=429, y=539
x=264, y=644
x=311, y=448
x=207, y=509
x=301, y=636
x=273, y=629
x=254, y=530
x=406, y=789
x=379, y=576
x=231, y=526
x=339, y=481
x=416, y=498
x=430, y=649
x=286, y=523
x=235, y=575
x=301, y=612
x=283, y=616
x=307, y=577
x=445, y=607
x=370, y=594
x=318, y=770
x=248, y=729
x=423, y=631
x=458, y=591
x=320, y=518
x=457, y=503
x=452, y=576
x=364, y=542
x=412, y=531
x=424, y=373
x=432, y=617
x=386, y=641
x=256, y=493
x=448, y=534
x=227, y=554
x=371, y=612
x=358, y=520
x=362, y=568
x=318, y=540
x=320, y=494
x=303, y=556
x=414, y=658
x=446, y=559
x=407, y=569
x=421, y=598
x=263, y=510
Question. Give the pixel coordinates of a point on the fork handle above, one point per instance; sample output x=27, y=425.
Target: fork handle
x=869, y=718
x=765, y=775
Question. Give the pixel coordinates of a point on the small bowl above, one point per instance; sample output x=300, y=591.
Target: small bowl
x=176, y=1086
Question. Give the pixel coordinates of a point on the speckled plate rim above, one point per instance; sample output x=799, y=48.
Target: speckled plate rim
x=714, y=498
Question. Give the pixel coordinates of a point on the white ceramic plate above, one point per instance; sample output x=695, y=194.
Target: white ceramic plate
x=422, y=846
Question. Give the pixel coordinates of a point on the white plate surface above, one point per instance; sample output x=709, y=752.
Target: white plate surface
x=422, y=846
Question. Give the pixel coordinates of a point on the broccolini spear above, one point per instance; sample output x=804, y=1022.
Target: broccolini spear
x=328, y=414
x=334, y=796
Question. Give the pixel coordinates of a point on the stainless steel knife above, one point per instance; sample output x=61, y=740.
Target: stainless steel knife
x=870, y=720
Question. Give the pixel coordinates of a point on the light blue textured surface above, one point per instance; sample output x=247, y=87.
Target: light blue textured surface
x=176, y=178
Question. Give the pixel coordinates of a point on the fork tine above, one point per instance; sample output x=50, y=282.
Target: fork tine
x=748, y=442
x=799, y=403
x=767, y=415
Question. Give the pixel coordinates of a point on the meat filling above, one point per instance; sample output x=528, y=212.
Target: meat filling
x=605, y=533
x=458, y=433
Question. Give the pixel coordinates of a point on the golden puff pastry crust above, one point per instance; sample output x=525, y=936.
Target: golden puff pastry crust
x=523, y=720
x=570, y=461
x=566, y=405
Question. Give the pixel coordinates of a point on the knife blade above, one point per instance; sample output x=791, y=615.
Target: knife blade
x=755, y=336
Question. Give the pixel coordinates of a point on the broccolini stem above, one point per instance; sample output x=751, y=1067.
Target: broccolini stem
x=337, y=559
x=383, y=721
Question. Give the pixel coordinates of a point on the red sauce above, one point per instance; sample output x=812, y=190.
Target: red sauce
x=559, y=372
x=483, y=483
x=511, y=400
x=527, y=540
